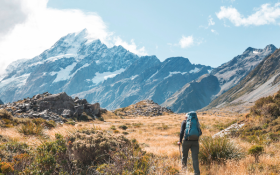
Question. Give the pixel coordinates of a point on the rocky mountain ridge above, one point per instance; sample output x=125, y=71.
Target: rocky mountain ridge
x=195, y=95
x=73, y=64
x=146, y=78
x=262, y=81
x=86, y=68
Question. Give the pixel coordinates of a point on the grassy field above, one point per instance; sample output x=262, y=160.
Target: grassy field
x=159, y=135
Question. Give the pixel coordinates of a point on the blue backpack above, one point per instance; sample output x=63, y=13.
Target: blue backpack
x=193, y=130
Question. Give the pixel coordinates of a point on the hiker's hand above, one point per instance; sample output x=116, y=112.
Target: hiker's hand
x=179, y=143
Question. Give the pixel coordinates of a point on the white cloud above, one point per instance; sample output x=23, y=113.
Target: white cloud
x=11, y=14
x=131, y=47
x=186, y=41
x=210, y=21
x=43, y=26
x=214, y=31
x=266, y=14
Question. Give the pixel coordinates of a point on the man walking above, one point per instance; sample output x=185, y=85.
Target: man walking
x=191, y=129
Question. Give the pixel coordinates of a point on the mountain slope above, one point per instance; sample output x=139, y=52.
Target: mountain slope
x=264, y=80
x=146, y=78
x=199, y=93
x=1, y=102
x=73, y=64
x=228, y=75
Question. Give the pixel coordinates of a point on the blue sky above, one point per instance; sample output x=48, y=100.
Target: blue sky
x=206, y=32
x=159, y=25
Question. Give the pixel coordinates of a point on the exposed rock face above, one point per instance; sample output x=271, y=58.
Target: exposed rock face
x=146, y=78
x=143, y=108
x=196, y=95
x=262, y=81
x=50, y=107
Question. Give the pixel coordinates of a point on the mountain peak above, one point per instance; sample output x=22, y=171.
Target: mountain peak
x=270, y=47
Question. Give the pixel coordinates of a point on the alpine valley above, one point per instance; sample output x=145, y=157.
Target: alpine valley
x=115, y=77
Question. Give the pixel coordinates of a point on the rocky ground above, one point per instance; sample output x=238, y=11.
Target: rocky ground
x=143, y=108
x=57, y=107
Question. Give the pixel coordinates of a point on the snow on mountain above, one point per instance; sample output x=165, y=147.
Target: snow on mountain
x=146, y=78
x=260, y=82
x=194, y=96
x=66, y=66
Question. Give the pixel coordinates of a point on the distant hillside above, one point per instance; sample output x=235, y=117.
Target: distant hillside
x=1, y=102
x=198, y=94
x=264, y=80
x=194, y=95
x=146, y=78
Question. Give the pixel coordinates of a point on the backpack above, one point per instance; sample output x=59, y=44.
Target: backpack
x=193, y=130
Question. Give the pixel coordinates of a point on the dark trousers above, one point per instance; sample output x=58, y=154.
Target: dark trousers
x=194, y=146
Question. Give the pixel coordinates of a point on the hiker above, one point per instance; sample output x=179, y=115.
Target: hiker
x=191, y=129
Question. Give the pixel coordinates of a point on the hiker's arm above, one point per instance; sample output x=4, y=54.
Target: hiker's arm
x=183, y=127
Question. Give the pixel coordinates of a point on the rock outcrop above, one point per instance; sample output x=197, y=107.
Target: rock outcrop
x=143, y=108
x=55, y=107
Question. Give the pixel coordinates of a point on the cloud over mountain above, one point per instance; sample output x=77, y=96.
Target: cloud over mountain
x=34, y=27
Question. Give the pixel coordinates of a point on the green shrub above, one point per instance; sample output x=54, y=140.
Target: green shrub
x=218, y=150
x=12, y=148
x=4, y=114
x=256, y=151
x=125, y=133
x=123, y=127
x=271, y=109
x=84, y=117
x=113, y=127
x=71, y=123
x=51, y=158
x=100, y=119
x=31, y=128
x=50, y=124
x=116, y=131
x=94, y=147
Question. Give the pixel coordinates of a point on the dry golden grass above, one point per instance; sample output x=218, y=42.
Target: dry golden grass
x=158, y=135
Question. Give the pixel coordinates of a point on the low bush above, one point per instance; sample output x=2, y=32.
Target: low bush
x=71, y=123
x=113, y=127
x=123, y=127
x=116, y=131
x=50, y=124
x=31, y=128
x=84, y=117
x=94, y=147
x=4, y=114
x=256, y=151
x=218, y=150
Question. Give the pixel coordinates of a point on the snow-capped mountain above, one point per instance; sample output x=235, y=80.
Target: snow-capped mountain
x=73, y=64
x=194, y=96
x=146, y=78
x=262, y=81
x=82, y=67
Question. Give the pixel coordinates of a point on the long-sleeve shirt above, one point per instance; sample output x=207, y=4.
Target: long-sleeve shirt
x=183, y=128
